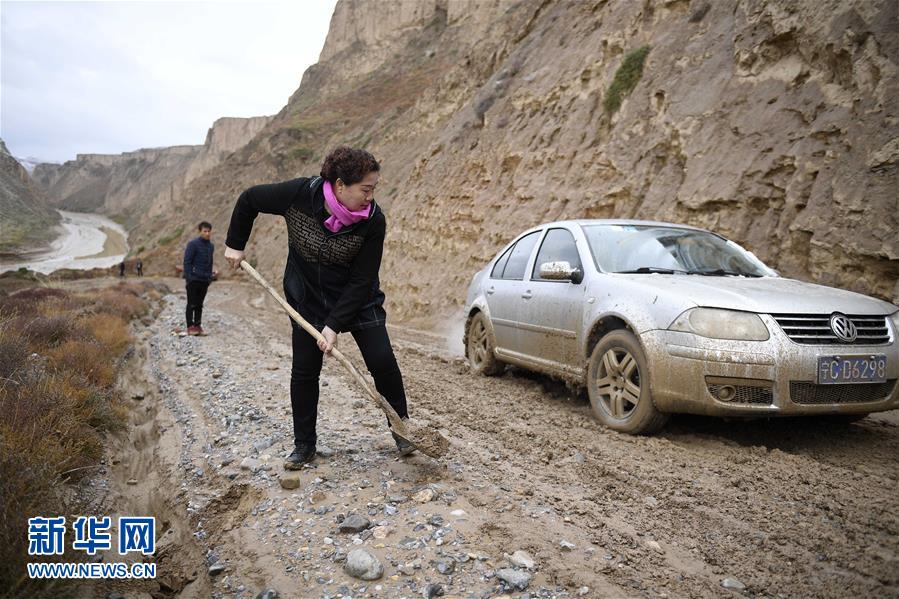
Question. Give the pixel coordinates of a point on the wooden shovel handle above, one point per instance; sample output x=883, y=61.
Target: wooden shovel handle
x=396, y=422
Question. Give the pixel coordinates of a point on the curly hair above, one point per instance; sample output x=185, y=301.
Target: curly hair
x=350, y=165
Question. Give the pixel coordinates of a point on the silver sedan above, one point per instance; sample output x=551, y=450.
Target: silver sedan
x=656, y=318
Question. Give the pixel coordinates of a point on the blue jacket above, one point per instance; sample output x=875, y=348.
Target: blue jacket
x=198, y=260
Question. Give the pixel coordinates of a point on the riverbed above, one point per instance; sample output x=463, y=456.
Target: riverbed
x=86, y=241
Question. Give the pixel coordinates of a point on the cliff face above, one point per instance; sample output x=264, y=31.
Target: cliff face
x=132, y=184
x=26, y=217
x=775, y=125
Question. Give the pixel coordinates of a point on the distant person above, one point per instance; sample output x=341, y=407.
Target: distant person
x=198, y=272
x=335, y=235
x=122, y=269
x=139, y=267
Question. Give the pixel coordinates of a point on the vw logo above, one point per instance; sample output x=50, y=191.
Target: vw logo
x=843, y=328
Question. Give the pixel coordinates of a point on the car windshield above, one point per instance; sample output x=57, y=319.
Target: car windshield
x=669, y=250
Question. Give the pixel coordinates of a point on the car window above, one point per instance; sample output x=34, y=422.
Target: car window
x=557, y=246
x=497, y=272
x=518, y=258
x=632, y=248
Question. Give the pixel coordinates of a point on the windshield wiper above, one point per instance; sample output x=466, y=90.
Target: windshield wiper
x=720, y=272
x=645, y=270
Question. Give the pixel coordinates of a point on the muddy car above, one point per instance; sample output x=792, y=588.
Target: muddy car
x=657, y=318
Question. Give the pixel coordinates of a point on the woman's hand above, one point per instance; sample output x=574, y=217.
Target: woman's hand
x=330, y=341
x=234, y=257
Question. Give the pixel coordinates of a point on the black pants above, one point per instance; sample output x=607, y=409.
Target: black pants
x=196, y=293
x=307, y=365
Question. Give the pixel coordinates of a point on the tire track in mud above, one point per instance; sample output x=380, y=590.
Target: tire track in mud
x=790, y=508
x=799, y=507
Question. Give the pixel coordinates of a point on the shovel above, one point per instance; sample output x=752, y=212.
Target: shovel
x=426, y=439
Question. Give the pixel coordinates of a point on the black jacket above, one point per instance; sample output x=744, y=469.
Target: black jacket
x=198, y=259
x=331, y=279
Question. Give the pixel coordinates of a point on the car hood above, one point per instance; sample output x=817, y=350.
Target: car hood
x=767, y=295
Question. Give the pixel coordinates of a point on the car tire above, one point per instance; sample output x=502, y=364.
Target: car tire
x=618, y=385
x=480, y=348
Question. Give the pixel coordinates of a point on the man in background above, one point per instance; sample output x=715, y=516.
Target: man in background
x=198, y=272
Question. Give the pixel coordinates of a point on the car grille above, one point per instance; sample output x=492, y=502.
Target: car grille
x=814, y=329
x=802, y=392
x=743, y=394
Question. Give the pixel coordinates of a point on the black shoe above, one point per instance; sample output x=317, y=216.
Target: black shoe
x=302, y=454
x=403, y=446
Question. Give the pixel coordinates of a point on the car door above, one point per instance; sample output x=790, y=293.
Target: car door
x=504, y=291
x=552, y=311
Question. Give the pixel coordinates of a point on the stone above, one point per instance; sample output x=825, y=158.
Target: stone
x=289, y=480
x=132, y=481
x=216, y=569
x=250, y=464
x=262, y=445
x=583, y=591
x=432, y=590
x=115, y=595
x=354, y=523
x=522, y=559
x=216, y=374
x=137, y=396
x=654, y=545
x=363, y=565
x=445, y=566
x=566, y=545
x=268, y=594
x=516, y=579
x=424, y=496
x=733, y=583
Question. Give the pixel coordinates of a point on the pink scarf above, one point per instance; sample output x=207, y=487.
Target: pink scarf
x=341, y=216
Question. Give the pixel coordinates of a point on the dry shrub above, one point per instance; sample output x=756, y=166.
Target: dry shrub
x=87, y=358
x=110, y=331
x=50, y=330
x=38, y=295
x=120, y=302
x=13, y=357
x=59, y=356
x=29, y=493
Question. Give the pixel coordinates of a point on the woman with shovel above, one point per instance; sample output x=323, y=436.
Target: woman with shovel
x=335, y=235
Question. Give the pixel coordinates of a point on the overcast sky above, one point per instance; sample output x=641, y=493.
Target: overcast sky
x=110, y=77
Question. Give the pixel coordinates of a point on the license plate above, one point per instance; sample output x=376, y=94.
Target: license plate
x=836, y=370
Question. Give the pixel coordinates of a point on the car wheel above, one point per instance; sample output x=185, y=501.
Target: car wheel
x=618, y=385
x=481, y=346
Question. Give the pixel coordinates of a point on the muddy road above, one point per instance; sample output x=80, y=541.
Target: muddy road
x=706, y=508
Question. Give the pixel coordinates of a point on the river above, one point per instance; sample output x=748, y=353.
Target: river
x=87, y=241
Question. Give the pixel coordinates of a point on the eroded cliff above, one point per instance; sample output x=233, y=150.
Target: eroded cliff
x=26, y=218
x=131, y=185
x=773, y=124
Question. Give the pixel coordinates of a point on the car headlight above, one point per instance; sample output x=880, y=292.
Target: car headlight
x=895, y=319
x=715, y=323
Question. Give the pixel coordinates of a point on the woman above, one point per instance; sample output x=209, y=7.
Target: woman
x=335, y=235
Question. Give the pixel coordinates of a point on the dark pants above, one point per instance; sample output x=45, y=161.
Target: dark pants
x=307, y=365
x=196, y=293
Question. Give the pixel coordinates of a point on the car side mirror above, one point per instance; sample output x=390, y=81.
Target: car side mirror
x=561, y=271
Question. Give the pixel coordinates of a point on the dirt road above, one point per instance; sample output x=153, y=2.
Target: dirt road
x=706, y=508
